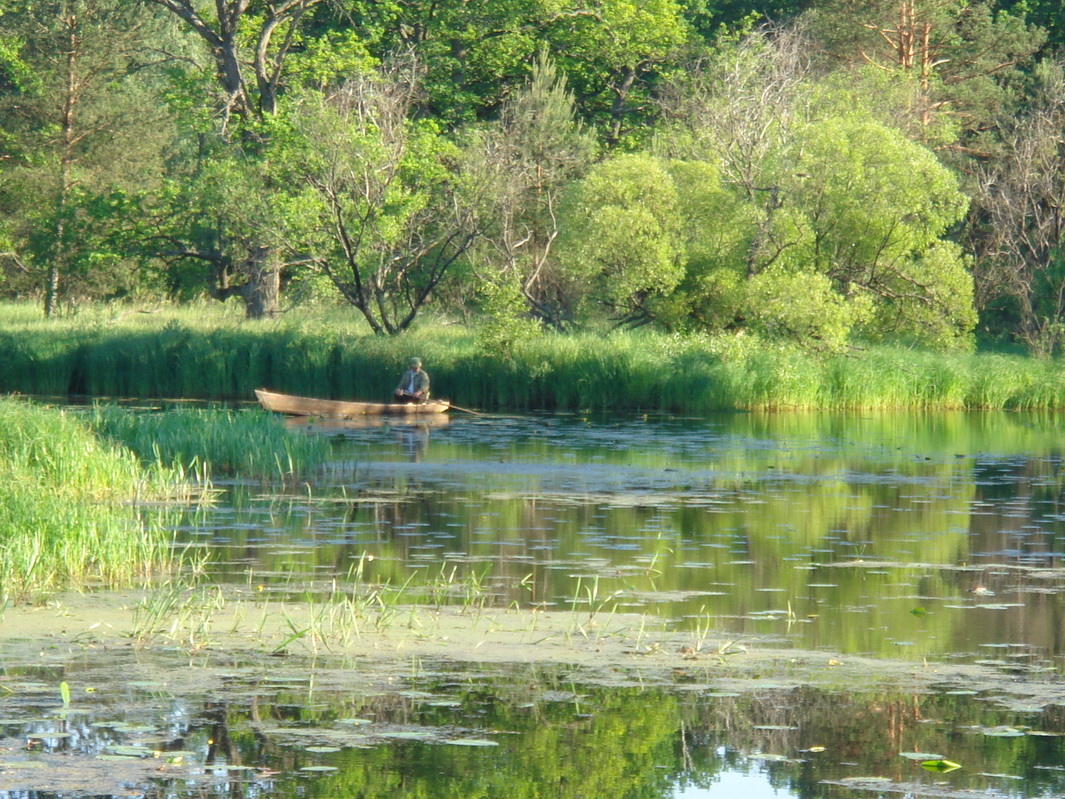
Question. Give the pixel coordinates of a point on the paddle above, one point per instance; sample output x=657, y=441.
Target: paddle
x=464, y=410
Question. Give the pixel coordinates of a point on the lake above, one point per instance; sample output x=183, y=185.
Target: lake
x=916, y=541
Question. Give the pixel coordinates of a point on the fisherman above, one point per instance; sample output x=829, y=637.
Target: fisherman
x=414, y=385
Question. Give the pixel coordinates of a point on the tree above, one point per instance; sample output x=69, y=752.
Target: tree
x=959, y=57
x=526, y=160
x=1046, y=14
x=867, y=208
x=79, y=133
x=250, y=43
x=830, y=199
x=623, y=235
x=1019, y=222
x=710, y=17
x=718, y=225
x=612, y=55
x=383, y=215
x=739, y=101
x=478, y=52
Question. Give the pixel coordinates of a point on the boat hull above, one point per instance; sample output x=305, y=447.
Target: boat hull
x=339, y=409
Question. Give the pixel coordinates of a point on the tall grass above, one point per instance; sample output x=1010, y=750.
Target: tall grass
x=212, y=352
x=212, y=441
x=67, y=506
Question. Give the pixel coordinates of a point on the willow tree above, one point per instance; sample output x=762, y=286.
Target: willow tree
x=623, y=235
x=846, y=219
x=869, y=210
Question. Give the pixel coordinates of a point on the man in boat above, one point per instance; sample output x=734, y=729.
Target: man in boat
x=414, y=385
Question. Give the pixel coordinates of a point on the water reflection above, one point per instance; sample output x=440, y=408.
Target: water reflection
x=343, y=729
x=927, y=538
x=897, y=535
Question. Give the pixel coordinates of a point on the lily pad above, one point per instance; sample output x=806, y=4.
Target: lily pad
x=1004, y=732
x=414, y=735
x=129, y=751
x=940, y=765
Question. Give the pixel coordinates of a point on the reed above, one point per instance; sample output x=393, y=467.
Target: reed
x=211, y=352
x=67, y=506
x=213, y=441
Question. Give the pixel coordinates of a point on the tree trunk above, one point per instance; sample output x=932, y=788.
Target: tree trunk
x=262, y=292
x=621, y=88
x=66, y=159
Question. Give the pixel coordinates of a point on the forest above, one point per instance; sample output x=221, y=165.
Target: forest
x=827, y=173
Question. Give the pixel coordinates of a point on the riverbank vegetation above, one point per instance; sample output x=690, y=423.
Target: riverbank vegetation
x=85, y=497
x=202, y=442
x=69, y=506
x=210, y=353
x=832, y=180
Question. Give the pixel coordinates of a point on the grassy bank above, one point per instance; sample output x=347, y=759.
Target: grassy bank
x=211, y=352
x=80, y=498
x=68, y=506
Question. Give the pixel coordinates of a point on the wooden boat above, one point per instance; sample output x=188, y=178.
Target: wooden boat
x=338, y=409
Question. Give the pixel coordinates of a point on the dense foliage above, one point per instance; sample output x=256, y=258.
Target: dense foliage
x=825, y=173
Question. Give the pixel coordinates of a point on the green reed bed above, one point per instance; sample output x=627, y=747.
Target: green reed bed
x=216, y=441
x=211, y=352
x=67, y=506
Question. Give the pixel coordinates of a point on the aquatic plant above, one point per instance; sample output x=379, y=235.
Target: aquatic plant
x=67, y=505
x=207, y=441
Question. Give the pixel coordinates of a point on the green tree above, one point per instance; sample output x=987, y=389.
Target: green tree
x=477, y=52
x=718, y=225
x=613, y=53
x=710, y=17
x=825, y=192
x=867, y=208
x=623, y=237
x=381, y=214
x=1047, y=14
x=960, y=59
x=79, y=132
x=527, y=159
x=233, y=107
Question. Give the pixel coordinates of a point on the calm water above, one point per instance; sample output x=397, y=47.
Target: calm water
x=900, y=536
x=917, y=537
